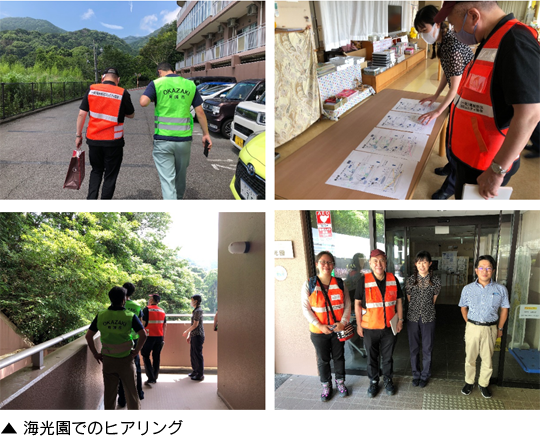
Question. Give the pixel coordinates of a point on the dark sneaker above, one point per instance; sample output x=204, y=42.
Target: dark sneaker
x=198, y=378
x=326, y=392
x=389, y=387
x=415, y=382
x=467, y=389
x=340, y=385
x=423, y=383
x=192, y=374
x=141, y=395
x=373, y=389
x=121, y=405
x=486, y=393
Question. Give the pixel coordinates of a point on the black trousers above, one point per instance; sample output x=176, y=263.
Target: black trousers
x=121, y=394
x=421, y=336
x=329, y=347
x=106, y=162
x=466, y=174
x=153, y=345
x=195, y=352
x=379, y=344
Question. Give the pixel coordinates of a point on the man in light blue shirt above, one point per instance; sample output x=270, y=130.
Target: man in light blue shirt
x=480, y=303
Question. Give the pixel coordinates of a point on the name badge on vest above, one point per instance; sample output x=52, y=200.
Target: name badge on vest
x=335, y=297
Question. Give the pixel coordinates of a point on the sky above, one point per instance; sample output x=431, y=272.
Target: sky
x=120, y=18
x=197, y=234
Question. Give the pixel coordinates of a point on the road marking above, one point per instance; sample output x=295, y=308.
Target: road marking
x=217, y=167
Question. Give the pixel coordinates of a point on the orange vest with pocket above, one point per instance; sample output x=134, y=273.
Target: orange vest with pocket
x=377, y=307
x=156, y=319
x=475, y=138
x=320, y=307
x=104, y=102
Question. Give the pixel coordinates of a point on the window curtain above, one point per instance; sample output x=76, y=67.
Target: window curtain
x=356, y=20
x=519, y=9
x=297, y=100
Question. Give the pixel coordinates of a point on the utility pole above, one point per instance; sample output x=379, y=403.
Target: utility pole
x=95, y=62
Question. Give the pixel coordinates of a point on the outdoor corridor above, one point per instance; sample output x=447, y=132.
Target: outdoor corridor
x=179, y=392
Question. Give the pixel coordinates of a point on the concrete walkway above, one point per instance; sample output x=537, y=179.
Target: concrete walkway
x=35, y=151
x=179, y=392
x=301, y=392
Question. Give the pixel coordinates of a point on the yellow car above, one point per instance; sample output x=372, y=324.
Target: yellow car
x=249, y=182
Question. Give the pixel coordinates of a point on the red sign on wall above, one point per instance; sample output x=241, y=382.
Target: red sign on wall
x=324, y=223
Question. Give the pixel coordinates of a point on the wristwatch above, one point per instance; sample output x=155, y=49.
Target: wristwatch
x=401, y=319
x=497, y=169
x=501, y=330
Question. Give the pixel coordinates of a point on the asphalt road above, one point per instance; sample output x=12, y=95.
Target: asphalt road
x=35, y=152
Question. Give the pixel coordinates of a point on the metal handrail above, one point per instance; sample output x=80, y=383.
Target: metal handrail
x=36, y=352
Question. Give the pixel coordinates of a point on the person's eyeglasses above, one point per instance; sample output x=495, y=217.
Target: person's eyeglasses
x=324, y=263
x=488, y=269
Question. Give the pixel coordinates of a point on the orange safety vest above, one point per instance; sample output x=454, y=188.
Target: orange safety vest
x=373, y=317
x=104, y=102
x=320, y=307
x=156, y=319
x=475, y=138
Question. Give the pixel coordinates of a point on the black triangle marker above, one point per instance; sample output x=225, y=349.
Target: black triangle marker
x=9, y=430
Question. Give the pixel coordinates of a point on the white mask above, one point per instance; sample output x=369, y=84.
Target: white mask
x=431, y=38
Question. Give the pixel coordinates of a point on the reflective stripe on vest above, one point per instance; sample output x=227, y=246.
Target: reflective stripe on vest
x=172, y=114
x=379, y=310
x=104, y=108
x=475, y=137
x=109, y=349
x=318, y=305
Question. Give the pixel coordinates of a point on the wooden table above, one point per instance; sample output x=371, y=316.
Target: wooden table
x=303, y=175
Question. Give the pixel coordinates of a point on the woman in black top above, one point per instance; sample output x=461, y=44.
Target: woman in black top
x=195, y=339
x=422, y=289
x=454, y=56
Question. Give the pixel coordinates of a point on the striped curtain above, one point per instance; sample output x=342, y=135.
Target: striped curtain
x=519, y=9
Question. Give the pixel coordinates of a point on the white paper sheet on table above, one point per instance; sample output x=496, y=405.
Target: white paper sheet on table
x=394, y=143
x=405, y=122
x=414, y=106
x=375, y=174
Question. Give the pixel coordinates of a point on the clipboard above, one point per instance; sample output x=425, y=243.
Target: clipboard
x=393, y=324
x=471, y=192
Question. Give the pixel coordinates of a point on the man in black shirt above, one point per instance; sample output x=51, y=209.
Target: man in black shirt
x=513, y=89
x=374, y=310
x=108, y=105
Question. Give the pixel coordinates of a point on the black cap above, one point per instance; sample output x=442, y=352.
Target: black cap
x=111, y=71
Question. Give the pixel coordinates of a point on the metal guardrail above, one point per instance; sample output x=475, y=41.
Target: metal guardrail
x=36, y=352
x=21, y=97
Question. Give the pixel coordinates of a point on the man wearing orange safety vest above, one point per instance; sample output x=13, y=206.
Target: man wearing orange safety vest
x=378, y=298
x=155, y=326
x=497, y=106
x=108, y=105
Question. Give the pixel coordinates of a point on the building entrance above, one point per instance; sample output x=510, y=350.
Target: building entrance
x=454, y=240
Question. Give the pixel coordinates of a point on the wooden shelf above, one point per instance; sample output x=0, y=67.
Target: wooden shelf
x=384, y=80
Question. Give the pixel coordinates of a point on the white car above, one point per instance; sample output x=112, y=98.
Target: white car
x=215, y=91
x=249, y=118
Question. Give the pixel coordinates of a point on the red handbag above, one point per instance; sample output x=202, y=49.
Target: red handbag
x=75, y=174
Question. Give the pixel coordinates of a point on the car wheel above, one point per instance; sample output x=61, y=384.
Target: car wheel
x=226, y=129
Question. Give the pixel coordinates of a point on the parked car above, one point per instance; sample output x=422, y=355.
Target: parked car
x=202, y=86
x=249, y=118
x=215, y=91
x=249, y=181
x=204, y=79
x=220, y=111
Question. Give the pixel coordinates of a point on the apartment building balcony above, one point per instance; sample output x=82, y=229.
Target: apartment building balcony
x=245, y=44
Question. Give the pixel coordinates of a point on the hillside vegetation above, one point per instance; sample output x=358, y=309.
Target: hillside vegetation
x=57, y=268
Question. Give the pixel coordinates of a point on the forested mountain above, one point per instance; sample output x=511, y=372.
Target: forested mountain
x=138, y=42
x=22, y=43
x=26, y=23
x=57, y=268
